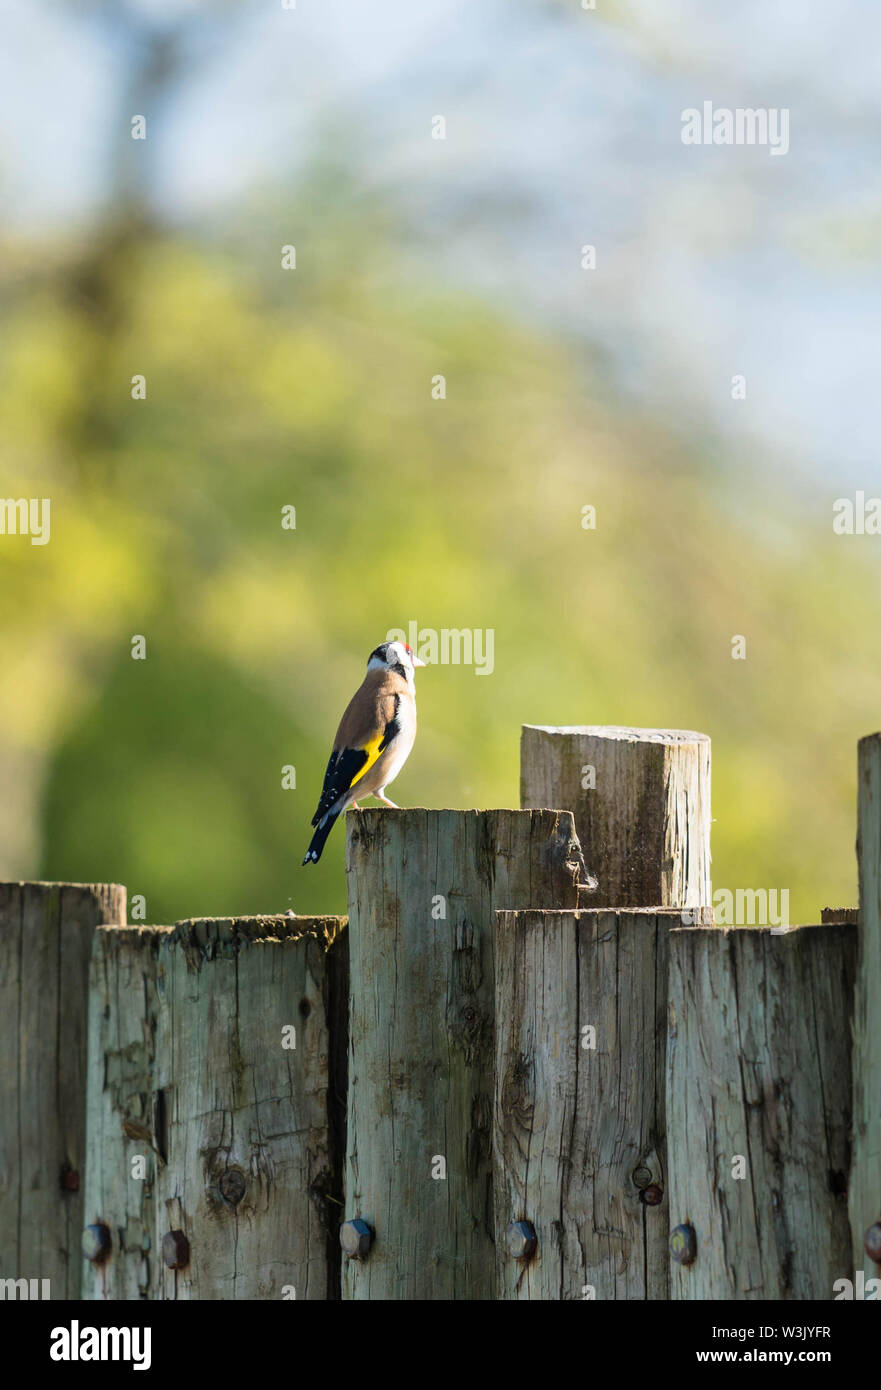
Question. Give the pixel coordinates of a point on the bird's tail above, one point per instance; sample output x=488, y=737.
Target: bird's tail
x=313, y=853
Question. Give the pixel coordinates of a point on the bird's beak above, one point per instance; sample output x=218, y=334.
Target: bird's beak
x=416, y=660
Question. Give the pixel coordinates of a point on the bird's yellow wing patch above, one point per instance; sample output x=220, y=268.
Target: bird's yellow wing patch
x=373, y=750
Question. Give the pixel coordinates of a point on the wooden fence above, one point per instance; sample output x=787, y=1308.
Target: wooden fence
x=512, y=1074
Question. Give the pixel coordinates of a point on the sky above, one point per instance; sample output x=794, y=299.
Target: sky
x=563, y=129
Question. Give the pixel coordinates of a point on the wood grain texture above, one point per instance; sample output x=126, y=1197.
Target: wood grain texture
x=45, y=940
x=759, y=1067
x=579, y=1130
x=865, y=1181
x=242, y=1110
x=125, y=1117
x=421, y=1032
x=645, y=824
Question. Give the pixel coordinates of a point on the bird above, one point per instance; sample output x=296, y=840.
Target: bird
x=373, y=741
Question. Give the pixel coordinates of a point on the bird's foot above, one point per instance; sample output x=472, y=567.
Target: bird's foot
x=385, y=801
x=353, y=806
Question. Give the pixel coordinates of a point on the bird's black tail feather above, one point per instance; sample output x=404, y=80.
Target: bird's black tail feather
x=313, y=853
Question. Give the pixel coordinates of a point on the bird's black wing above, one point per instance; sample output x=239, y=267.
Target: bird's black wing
x=342, y=769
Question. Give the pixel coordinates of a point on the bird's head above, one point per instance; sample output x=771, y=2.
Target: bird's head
x=394, y=656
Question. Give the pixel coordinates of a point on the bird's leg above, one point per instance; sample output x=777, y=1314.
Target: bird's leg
x=381, y=796
x=354, y=806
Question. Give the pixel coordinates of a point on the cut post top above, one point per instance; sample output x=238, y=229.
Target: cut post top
x=132, y=932
x=393, y=812
x=755, y=929
x=620, y=733
x=56, y=883
x=673, y=915
x=201, y=931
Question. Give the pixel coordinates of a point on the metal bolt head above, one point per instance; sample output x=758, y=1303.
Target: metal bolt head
x=521, y=1240
x=356, y=1238
x=175, y=1249
x=232, y=1186
x=683, y=1245
x=96, y=1242
x=873, y=1242
x=641, y=1176
x=653, y=1195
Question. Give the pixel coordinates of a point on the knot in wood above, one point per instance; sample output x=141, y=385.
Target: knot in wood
x=517, y=1091
x=473, y=1032
x=232, y=1186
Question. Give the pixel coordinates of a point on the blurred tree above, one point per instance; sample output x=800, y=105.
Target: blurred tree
x=268, y=387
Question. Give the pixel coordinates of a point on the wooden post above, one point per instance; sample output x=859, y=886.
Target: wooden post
x=641, y=800
x=126, y=1138
x=758, y=1109
x=865, y=1179
x=423, y=888
x=45, y=938
x=579, y=1134
x=249, y=1201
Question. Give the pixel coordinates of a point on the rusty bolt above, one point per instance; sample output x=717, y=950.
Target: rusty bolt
x=70, y=1179
x=96, y=1242
x=683, y=1245
x=232, y=1186
x=873, y=1242
x=175, y=1249
x=653, y=1195
x=356, y=1238
x=641, y=1176
x=521, y=1240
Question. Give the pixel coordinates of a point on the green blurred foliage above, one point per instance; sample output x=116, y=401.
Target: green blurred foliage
x=312, y=388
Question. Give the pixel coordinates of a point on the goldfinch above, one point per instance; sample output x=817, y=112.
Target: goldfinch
x=373, y=741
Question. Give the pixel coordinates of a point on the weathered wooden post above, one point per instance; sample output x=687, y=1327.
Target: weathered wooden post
x=126, y=1136
x=580, y=1136
x=865, y=1180
x=641, y=800
x=248, y=1197
x=423, y=888
x=759, y=1109
x=45, y=938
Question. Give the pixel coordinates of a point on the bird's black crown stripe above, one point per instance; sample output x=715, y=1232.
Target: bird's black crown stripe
x=381, y=654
